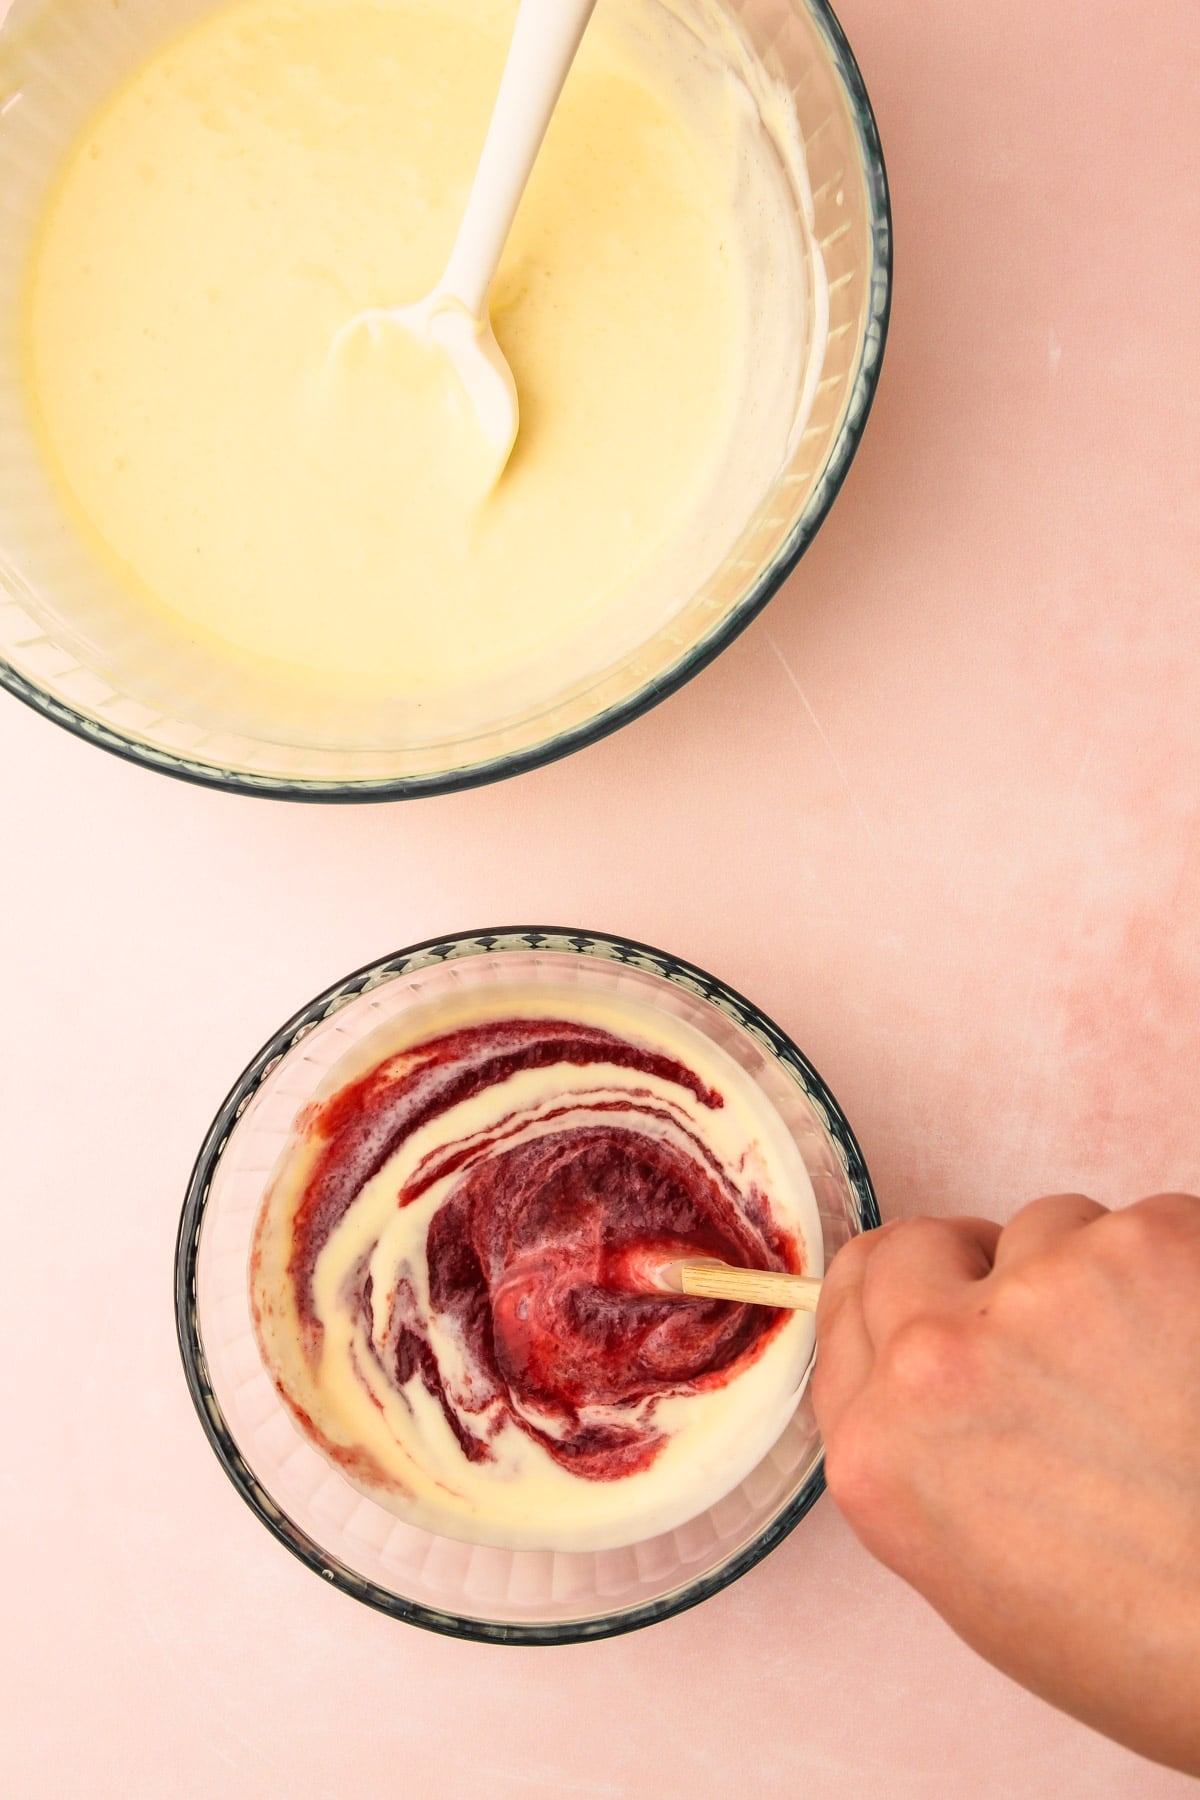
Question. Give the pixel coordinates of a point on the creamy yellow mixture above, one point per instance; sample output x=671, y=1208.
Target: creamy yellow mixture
x=282, y=165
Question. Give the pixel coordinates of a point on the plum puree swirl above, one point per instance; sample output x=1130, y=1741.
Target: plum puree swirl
x=462, y=1225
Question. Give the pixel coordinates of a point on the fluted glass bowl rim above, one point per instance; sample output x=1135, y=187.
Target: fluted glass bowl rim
x=458, y=947
x=590, y=731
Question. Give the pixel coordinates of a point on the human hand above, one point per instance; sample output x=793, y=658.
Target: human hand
x=1012, y=1424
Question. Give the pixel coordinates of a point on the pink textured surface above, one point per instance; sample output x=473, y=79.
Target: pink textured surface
x=937, y=811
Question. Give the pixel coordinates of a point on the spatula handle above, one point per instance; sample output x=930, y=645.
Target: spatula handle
x=544, y=42
x=753, y=1287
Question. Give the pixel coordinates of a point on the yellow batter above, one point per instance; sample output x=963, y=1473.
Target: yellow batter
x=284, y=164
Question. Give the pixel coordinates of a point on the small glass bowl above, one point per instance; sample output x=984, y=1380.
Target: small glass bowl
x=465, y=1590
x=72, y=648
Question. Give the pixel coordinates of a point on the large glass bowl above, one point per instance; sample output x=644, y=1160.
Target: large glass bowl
x=498, y=1596
x=69, y=648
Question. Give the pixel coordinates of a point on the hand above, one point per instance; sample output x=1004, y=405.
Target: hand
x=1012, y=1424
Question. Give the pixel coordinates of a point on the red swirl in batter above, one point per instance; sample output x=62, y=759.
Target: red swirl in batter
x=532, y=1253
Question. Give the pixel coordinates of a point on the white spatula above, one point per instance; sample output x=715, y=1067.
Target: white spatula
x=454, y=317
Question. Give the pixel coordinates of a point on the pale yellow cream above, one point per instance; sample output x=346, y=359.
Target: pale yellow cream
x=283, y=164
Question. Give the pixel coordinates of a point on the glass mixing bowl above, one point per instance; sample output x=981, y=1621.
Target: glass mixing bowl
x=464, y=1590
x=70, y=648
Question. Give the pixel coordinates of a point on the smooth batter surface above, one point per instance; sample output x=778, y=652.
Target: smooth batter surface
x=445, y=1272
x=286, y=163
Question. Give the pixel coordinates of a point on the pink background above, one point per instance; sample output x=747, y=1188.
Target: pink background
x=937, y=811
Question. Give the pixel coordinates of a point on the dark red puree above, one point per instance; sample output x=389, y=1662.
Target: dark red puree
x=534, y=1253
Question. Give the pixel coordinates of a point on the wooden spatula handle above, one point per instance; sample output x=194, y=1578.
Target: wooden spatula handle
x=753, y=1287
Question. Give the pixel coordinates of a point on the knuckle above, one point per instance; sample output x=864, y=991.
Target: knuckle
x=922, y=1228
x=1174, y=1212
x=1034, y=1287
x=923, y=1363
x=1139, y=1227
x=1136, y=1234
x=928, y=1239
x=853, y=1252
x=1163, y=1228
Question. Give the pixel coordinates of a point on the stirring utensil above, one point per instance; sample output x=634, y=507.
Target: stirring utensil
x=454, y=317
x=705, y=1278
